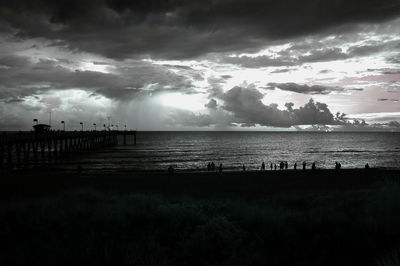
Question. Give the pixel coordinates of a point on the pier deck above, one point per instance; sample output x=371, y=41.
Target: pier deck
x=27, y=149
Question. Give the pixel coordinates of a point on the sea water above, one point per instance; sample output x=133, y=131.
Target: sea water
x=193, y=150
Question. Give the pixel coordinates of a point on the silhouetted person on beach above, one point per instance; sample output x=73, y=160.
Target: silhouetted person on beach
x=286, y=165
x=313, y=166
x=170, y=170
x=337, y=166
x=244, y=168
x=295, y=166
x=263, y=166
x=275, y=166
x=271, y=166
x=212, y=166
x=220, y=168
x=281, y=164
x=367, y=166
x=304, y=165
x=209, y=167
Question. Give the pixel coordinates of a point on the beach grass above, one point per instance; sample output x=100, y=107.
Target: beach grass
x=89, y=226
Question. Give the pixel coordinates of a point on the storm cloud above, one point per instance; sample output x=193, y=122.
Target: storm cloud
x=306, y=89
x=182, y=29
x=247, y=107
x=21, y=77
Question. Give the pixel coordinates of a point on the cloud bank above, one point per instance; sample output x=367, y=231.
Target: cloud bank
x=183, y=29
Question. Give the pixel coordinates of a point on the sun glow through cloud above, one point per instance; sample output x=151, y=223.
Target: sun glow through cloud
x=191, y=102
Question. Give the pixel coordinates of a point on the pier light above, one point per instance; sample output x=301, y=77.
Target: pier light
x=81, y=125
x=35, y=120
x=104, y=125
x=63, y=122
x=125, y=127
x=94, y=124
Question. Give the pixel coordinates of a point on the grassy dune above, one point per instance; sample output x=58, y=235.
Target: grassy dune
x=94, y=227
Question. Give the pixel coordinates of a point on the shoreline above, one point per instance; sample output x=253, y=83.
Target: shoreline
x=230, y=184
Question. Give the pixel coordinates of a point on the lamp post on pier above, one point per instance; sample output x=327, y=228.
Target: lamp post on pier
x=94, y=124
x=81, y=125
x=63, y=122
x=35, y=120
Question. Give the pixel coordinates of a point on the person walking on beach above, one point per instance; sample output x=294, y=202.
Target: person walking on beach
x=337, y=166
x=286, y=165
x=244, y=167
x=271, y=166
x=313, y=166
x=304, y=165
x=367, y=166
x=295, y=166
x=212, y=166
x=220, y=168
x=263, y=166
x=209, y=167
x=275, y=166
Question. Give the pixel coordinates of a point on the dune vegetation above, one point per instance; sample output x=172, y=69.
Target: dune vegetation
x=89, y=227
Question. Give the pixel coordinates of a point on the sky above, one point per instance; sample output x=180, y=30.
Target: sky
x=201, y=65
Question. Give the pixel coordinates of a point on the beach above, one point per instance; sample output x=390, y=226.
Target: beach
x=228, y=184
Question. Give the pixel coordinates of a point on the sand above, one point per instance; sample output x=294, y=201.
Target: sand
x=234, y=184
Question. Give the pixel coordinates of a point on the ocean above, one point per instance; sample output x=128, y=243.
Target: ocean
x=193, y=150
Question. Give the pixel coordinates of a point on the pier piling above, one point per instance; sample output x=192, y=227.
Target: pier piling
x=28, y=149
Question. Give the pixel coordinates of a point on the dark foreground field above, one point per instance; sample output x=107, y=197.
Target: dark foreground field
x=238, y=218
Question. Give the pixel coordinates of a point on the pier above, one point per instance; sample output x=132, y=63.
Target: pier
x=29, y=149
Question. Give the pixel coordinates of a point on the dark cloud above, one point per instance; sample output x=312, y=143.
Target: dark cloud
x=306, y=89
x=394, y=124
x=391, y=72
x=190, y=119
x=23, y=78
x=311, y=51
x=243, y=107
x=185, y=71
x=284, y=70
x=212, y=104
x=182, y=28
x=325, y=71
x=323, y=55
x=247, y=108
x=393, y=59
x=372, y=48
x=13, y=100
x=261, y=61
x=215, y=89
x=386, y=99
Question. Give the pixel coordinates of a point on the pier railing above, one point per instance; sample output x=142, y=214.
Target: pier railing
x=27, y=149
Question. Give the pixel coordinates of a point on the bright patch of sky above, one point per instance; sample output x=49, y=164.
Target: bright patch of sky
x=191, y=102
